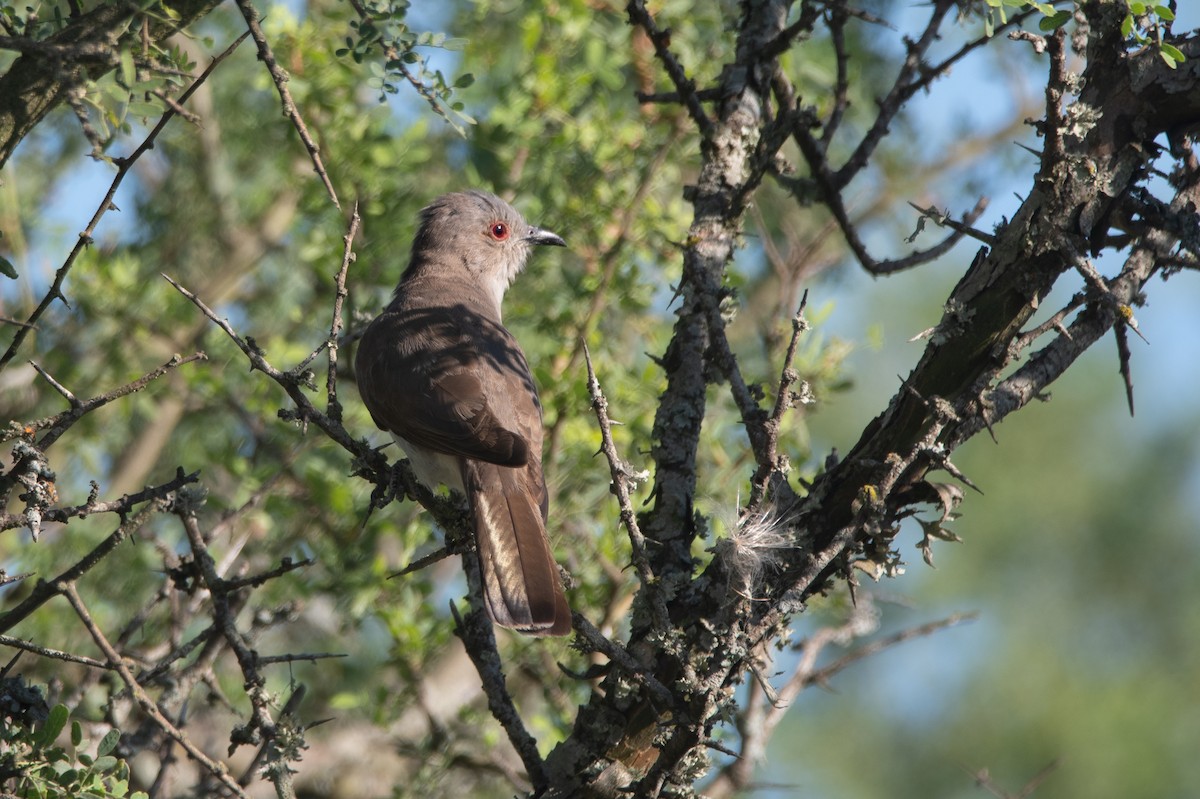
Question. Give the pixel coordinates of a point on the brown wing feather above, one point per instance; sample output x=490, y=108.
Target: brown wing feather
x=433, y=396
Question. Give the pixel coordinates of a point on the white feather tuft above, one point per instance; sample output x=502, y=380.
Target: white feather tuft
x=754, y=546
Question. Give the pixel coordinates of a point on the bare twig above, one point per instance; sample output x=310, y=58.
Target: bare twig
x=945, y=220
x=914, y=76
x=983, y=779
x=623, y=476
x=332, y=406
x=783, y=400
x=616, y=653
x=439, y=554
x=121, y=506
x=838, y=17
x=310, y=657
x=44, y=590
x=46, y=652
x=661, y=39
x=823, y=674
x=223, y=613
x=280, y=78
x=145, y=702
x=479, y=639
x=255, y=580
x=306, y=411
x=60, y=423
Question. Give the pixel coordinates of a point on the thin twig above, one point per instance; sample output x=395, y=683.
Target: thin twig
x=305, y=410
x=310, y=657
x=332, y=406
x=145, y=702
x=479, y=639
x=121, y=505
x=60, y=423
x=823, y=674
x=280, y=78
x=783, y=400
x=827, y=181
x=945, y=220
x=616, y=653
x=440, y=554
x=622, y=475
x=914, y=76
x=46, y=652
x=661, y=39
x=838, y=17
x=44, y=590
x=255, y=580
x=223, y=616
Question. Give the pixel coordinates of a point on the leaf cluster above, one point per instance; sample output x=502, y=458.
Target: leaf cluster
x=33, y=765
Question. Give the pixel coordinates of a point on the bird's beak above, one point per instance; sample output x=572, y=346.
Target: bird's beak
x=538, y=236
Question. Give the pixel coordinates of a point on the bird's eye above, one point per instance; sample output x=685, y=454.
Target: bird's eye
x=499, y=231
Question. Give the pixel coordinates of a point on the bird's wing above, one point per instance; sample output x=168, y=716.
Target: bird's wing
x=425, y=376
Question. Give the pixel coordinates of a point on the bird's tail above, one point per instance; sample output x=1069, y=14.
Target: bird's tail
x=521, y=584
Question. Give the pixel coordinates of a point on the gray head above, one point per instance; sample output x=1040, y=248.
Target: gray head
x=478, y=231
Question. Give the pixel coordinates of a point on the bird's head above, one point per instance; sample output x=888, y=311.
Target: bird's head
x=480, y=232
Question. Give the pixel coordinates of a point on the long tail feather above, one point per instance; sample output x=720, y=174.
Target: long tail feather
x=521, y=583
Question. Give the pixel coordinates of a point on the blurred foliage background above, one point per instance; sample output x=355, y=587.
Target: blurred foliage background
x=1081, y=555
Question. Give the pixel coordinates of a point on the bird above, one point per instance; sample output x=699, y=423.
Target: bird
x=439, y=371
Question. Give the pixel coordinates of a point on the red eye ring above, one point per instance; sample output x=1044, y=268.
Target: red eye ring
x=498, y=231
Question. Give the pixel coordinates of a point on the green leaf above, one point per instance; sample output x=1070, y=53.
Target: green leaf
x=108, y=742
x=128, y=71
x=1164, y=13
x=1137, y=8
x=7, y=269
x=1172, y=55
x=1054, y=21
x=1127, y=26
x=464, y=80
x=53, y=726
x=106, y=763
